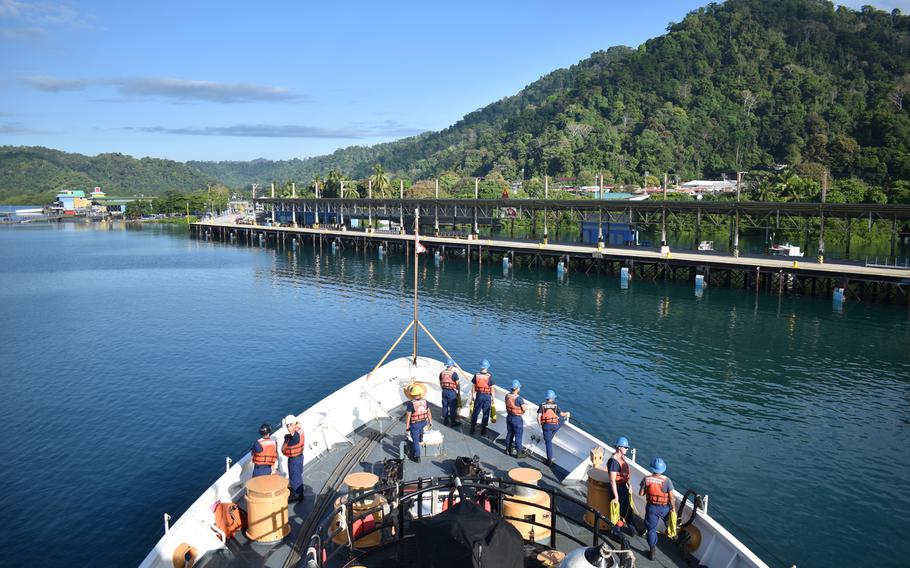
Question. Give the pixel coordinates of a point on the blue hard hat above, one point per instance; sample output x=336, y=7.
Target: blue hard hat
x=551, y=394
x=516, y=384
x=658, y=465
x=450, y=362
x=622, y=442
x=484, y=364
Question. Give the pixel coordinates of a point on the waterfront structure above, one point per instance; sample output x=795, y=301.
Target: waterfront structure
x=775, y=274
x=72, y=200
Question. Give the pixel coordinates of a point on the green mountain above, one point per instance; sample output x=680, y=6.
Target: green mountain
x=34, y=175
x=747, y=85
x=734, y=86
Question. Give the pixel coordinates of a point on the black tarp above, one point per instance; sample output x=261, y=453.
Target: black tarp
x=467, y=536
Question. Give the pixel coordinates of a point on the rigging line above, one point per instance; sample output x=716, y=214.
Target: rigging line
x=392, y=348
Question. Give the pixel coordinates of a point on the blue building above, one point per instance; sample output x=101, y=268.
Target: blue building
x=617, y=230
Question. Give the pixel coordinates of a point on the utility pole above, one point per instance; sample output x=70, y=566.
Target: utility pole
x=821, y=228
x=253, y=202
x=370, y=205
x=400, y=207
x=663, y=217
x=294, y=205
x=341, y=205
x=436, y=212
x=546, y=196
x=600, y=211
x=476, y=197
x=316, y=206
x=739, y=182
x=273, y=203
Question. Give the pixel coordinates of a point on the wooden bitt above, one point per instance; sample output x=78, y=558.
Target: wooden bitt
x=267, y=508
x=528, y=504
x=358, y=483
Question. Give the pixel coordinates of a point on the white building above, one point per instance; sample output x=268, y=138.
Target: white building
x=709, y=186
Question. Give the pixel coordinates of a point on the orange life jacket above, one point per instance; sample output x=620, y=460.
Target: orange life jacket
x=227, y=519
x=446, y=381
x=549, y=415
x=511, y=407
x=269, y=453
x=293, y=450
x=420, y=412
x=623, y=476
x=654, y=490
x=482, y=383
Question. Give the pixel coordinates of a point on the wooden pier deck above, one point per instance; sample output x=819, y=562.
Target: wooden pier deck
x=801, y=275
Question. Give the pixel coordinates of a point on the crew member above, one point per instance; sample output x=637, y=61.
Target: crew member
x=548, y=416
x=515, y=408
x=658, y=490
x=293, y=450
x=482, y=396
x=416, y=419
x=619, y=483
x=265, y=452
x=448, y=382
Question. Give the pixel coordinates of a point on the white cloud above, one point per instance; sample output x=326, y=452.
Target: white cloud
x=385, y=130
x=170, y=88
x=21, y=20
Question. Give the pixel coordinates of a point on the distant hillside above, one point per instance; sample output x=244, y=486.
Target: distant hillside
x=407, y=157
x=738, y=86
x=34, y=174
x=734, y=86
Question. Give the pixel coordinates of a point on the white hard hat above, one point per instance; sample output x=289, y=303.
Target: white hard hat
x=290, y=419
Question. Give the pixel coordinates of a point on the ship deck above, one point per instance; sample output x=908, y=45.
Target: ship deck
x=379, y=440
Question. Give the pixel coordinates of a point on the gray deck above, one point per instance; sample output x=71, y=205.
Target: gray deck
x=243, y=553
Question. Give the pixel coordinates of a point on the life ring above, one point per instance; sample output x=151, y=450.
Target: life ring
x=184, y=556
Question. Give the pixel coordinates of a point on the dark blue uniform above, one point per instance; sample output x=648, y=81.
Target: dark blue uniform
x=416, y=430
x=450, y=401
x=260, y=469
x=295, y=466
x=655, y=513
x=482, y=402
x=625, y=510
x=549, y=430
x=515, y=425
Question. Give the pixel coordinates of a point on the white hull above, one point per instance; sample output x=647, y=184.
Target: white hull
x=329, y=421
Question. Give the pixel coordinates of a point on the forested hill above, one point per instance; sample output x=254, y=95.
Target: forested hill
x=739, y=86
x=34, y=175
x=734, y=86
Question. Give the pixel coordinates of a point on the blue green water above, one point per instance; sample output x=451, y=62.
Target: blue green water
x=135, y=360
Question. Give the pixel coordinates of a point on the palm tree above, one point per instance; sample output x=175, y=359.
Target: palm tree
x=382, y=184
x=333, y=183
x=792, y=188
x=287, y=190
x=317, y=183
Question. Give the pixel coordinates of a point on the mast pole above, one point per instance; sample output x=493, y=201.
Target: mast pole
x=416, y=239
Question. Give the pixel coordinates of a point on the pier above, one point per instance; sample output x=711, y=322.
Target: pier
x=780, y=275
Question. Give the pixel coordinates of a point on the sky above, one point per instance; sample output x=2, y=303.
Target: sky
x=231, y=80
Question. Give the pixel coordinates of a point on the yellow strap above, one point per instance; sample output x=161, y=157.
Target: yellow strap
x=671, y=524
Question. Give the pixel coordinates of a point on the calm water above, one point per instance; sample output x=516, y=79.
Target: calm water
x=134, y=361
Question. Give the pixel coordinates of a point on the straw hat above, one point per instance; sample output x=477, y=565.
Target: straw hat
x=414, y=389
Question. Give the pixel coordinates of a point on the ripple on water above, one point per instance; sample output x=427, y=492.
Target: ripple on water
x=139, y=359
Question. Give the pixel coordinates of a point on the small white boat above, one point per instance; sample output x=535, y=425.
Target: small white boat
x=785, y=249
x=706, y=245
